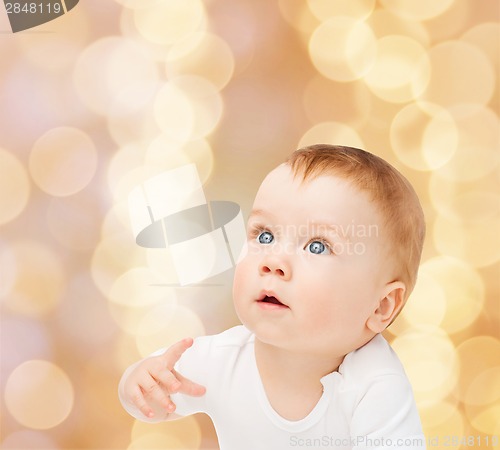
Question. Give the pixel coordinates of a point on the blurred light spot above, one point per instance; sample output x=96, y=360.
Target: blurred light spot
x=168, y=154
x=130, y=115
x=22, y=338
x=206, y=104
x=136, y=287
x=162, y=327
x=29, y=440
x=204, y=55
x=84, y=309
x=430, y=360
x=174, y=113
x=39, y=394
x=424, y=137
x=463, y=203
x=113, y=256
x=437, y=413
x=129, y=319
x=486, y=421
x=473, y=75
x=485, y=37
x=421, y=10
x=356, y=9
x=331, y=133
x=450, y=430
x=122, y=63
x=478, y=356
x=485, y=388
x=298, y=15
x=463, y=288
x=393, y=76
x=39, y=281
x=476, y=242
x=383, y=23
x=347, y=103
x=75, y=222
x=343, y=49
x=478, y=143
x=63, y=161
x=14, y=187
x=427, y=303
x=169, y=21
x=185, y=431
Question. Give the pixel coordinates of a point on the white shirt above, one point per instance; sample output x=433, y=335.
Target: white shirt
x=367, y=404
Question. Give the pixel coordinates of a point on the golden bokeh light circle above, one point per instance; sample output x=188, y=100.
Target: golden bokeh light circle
x=15, y=187
x=394, y=76
x=206, y=104
x=331, y=133
x=39, y=394
x=384, y=23
x=115, y=253
x=63, y=161
x=164, y=326
x=427, y=303
x=424, y=136
x=122, y=63
x=480, y=361
x=299, y=16
x=167, y=22
x=473, y=75
x=39, y=280
x=130, y=116
x=485, y=37
x=204, y=55
x=343, y=49
x=430, y=361
x=326, y=9
x=466, y=241
x=130, y=319
x=164, y=152
x=417, y=11
x=463, y=288
x=136, y=287
x=477, y=152
x=174, y=113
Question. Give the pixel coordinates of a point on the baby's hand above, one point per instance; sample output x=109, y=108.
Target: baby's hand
x=150, y=382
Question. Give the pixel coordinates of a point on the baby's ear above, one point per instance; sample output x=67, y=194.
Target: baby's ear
x=388, y=307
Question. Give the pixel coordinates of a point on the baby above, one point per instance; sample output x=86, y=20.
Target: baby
x=333, y=246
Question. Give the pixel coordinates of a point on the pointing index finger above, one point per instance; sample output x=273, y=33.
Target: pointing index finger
x=175, y=351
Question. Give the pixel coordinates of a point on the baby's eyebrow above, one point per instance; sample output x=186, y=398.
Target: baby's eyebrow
x=261, y=213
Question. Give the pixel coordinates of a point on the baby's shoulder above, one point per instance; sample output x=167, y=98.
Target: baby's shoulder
x=373, y=360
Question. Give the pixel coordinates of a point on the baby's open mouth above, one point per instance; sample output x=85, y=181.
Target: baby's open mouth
x=272, y=300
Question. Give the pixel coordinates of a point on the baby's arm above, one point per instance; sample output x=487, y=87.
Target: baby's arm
x=145, y=387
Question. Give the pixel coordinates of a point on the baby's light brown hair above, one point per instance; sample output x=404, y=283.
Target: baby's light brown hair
x=391, y=192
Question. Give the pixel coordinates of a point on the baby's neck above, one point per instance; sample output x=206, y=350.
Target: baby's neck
x=291, y=379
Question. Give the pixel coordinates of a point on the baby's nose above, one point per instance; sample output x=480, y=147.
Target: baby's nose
x=273, y=265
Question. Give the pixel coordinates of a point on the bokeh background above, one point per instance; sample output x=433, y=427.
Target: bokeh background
x=117, y=91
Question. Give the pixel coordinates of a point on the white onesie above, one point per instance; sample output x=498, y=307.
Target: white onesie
x=367, y=404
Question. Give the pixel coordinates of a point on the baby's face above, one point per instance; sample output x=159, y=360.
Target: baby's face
x=313, y=268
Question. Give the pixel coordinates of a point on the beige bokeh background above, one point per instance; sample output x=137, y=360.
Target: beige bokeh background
x=117, y=91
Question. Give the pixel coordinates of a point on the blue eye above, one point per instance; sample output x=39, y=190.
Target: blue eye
x=265, y=237
x=318, y=248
